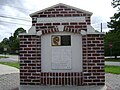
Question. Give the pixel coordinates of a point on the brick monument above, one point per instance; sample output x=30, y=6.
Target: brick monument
x=62, y=49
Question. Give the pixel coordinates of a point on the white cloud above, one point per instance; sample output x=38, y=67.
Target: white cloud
x=102, y=11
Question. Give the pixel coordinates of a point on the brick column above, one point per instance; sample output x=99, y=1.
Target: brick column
x=30, y=59
x=93, y=60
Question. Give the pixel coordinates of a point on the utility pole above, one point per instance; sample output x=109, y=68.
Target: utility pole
x=101, y=27
x=11, y=34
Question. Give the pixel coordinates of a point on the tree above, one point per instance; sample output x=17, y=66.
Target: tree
x=12, y=44
x=5, y=41
x=18, y=31
x=113, y=36
x=116, y=3
x=14, y=41
x=114, y=24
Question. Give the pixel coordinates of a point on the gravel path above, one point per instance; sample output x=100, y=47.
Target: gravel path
x=113, y=81
x=11, y=81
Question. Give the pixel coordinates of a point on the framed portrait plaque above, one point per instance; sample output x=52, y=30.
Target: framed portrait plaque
x=56, y=40
x=61, y=40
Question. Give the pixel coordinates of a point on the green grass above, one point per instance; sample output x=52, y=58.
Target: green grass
x=112, y=69
x=108, y=68
x=112, y=60
x=13, y=64
x=3, y=57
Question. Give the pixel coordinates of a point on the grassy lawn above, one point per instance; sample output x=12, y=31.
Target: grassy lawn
x=3, y=57
x=13, y=64
x=108, y=68
x=112, y=69
x=112, y=60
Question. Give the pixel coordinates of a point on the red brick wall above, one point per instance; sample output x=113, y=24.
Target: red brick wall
x=93, y=60
x=30, y=59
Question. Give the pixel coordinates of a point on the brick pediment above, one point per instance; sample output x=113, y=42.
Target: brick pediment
x=61, y=10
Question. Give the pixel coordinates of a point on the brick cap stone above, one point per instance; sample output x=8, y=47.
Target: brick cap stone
x=60, y=19
x=83, y=32
x=90, y=30
x=60, y=27
x=101, y=33
x=39, y=33
x=26, y=34
x=32, y=30
x=40, y=87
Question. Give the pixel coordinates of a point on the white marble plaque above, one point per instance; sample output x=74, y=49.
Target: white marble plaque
x=61, y=58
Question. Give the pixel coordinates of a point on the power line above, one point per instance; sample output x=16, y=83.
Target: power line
x=15, y=7
x=15, y=18
x=14, y=23
x=4, y=16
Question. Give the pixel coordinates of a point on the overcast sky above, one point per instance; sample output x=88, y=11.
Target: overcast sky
x=12, y=10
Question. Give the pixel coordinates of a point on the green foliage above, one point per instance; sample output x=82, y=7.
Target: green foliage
x=3, y=45
x=12, y=44
x=13, y=64
x=116, y=3
x=114, y=24
x=19, y=30
x=3, y=57
x=112, y=37
x=112, y=69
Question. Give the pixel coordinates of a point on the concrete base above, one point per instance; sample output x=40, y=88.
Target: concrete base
x=37, y=87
